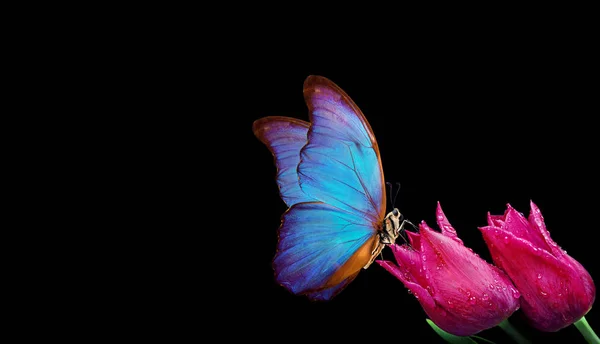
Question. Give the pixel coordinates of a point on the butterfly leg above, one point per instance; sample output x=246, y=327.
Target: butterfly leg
x=378, y=247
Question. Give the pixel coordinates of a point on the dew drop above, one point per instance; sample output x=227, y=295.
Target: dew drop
x=539, y=276
x=450, y=304
x=515, y=293
x=485, y=297
x=430, y=290
x=423, y=257
x=409, y=291
x=472, y=300
x=491, y=286
x=506, y=239
x=543, y=293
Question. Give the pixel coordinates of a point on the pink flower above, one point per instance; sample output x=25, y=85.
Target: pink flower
x=459, y=291
x=556, y=290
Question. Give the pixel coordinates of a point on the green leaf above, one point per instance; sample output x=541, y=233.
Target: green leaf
x=450, y=338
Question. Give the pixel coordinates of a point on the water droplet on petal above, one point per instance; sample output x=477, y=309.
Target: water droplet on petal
x=543, y=293
x=491, y=286
x=485, y=297
x=515, y=293
x=472, y=300
x=539, y=276
x=450, y=304
x=430, y=290
x=410, y=291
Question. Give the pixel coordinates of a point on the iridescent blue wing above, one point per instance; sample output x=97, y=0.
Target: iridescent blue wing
x=328, y=234
x=340, y=165
x=285, y=137
x=321, y=249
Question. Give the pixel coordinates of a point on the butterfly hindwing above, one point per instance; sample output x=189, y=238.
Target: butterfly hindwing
x=316, y=240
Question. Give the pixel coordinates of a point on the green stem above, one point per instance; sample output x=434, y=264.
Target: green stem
x=513, y=333
x=483, y=339
x=587, y=332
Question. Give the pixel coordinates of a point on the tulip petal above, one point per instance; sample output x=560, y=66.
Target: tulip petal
x=518, y=225
x=495, y=220
x=536, y=220
x=444, y=224
x=552, y=290
x=415, y=240
x=420, y=293
x=409, y=262
x=462, y=277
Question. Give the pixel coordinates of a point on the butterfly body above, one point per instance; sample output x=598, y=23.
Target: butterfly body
x=329, y=174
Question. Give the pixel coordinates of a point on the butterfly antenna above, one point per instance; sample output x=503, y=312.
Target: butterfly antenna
x=390, y=198
x=396, y=195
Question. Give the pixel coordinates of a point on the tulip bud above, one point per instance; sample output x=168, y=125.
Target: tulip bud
x=460, y=292
x=556, y=290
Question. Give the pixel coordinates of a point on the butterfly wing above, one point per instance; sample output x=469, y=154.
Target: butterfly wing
x=323, y=245
x=340, y=164
x=317, y=243
x=285, y=137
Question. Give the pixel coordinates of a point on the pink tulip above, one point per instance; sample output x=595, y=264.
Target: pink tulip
x=556, y=290
x=460, y=292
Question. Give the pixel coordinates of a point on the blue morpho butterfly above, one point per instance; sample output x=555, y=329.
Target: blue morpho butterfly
x=329, y=174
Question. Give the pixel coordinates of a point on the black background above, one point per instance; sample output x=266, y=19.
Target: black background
x=473, y=131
